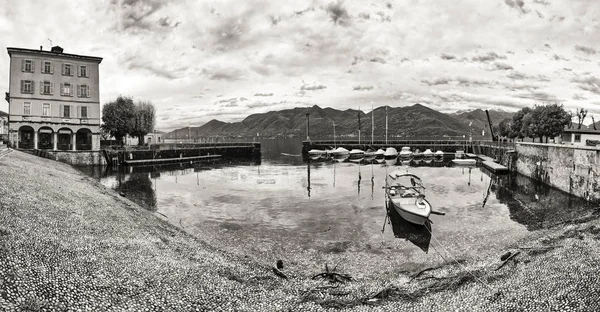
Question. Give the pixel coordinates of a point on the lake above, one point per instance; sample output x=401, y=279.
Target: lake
x=307, y=213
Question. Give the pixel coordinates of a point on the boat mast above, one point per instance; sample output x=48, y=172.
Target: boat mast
x=334, y=146
x=372, y=123
x=386, y=125
x=359, y=125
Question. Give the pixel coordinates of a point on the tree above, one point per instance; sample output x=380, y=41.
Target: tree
x=117, y=117
x=552, y=120
x=581, y=113
x=593, y=122
x=517, y=123
x=143, y=121
x=504, y=128
x=531, y=126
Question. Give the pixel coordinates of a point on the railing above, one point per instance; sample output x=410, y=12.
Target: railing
x=45, y=145
x=64, y=147
x=83, y=147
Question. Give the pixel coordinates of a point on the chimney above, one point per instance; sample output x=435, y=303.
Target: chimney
x=40, y=48
x=57, y=49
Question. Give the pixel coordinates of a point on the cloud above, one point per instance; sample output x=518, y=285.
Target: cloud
x=542, y=2
x=166, y=22
x=152, y=68
x=231, y=102
x=264, y=104
x=362, y=88
x=502, y=66
x=519, y=5
x=216, y=72
x=522, y=76
x=579, y=97
x=377, y=59
x=134, y=15
x=263, y=94
x=364, y=15
x=461, y=81
x=274, y=19
x=306, y=87
x=586, y=50
x=538, y=96
x=445, y=56
x=490, y=56
x=589, y=83
x=337, y=13
x=559, y=58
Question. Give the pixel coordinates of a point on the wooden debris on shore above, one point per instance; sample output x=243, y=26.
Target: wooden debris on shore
x=332, y=276
x=507, y=259
x=279, y=273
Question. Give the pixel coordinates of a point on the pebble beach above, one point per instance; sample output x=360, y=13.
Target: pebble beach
x=67, y=243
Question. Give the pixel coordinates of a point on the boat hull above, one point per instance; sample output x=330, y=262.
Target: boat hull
x=409, y=216
x=465, y=162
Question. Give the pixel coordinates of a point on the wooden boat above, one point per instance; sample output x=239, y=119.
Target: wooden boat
x=340, y=151
x=390, y=156
x=417, y=154
x=428, y=154
x=418, y=235
x=315, y=154
x=356, y=154
x=405, y=193
x=406, y=153
x=379, y=154
x=461, y=159
x=370, y=155
x=438, y=156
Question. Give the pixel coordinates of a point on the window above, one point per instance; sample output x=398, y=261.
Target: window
x=26, y=86
x=27, y=66
x=83, y=72
x=26, y=108
x=84, y=113
x=48, y=69
x=66, y=111
x=46, y=109
x=65, y=89
x=578, y=138
x=46, y=87
x=83, y=91
x=66, y=70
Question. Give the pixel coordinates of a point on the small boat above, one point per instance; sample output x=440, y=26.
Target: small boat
x=340, y=151
x=417, y=154
x=356, y=154
x=428, y=154
x=406, y=153
x=390, y=153
x=405, y=194
x=370, y=155
x=419, y=235
x=461, y=159
x=379, y=154
x=315, y=154
x=438, y=156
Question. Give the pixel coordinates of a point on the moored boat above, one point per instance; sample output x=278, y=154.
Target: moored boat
x=315, y=154
x=428, y=153
x=370, y=155
x=340, y=151
x=405, y=193
x=406, y=153
x=356, y=153
x=461, y=159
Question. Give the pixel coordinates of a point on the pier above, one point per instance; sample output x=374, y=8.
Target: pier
x=175, y=152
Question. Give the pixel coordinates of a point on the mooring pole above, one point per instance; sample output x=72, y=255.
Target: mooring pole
x=307, y=126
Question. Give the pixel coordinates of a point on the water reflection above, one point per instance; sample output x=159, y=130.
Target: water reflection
x=418, y=235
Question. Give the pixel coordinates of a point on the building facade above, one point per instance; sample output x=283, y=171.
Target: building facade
x=581, y=137
x=54, y=100
x=3, y=126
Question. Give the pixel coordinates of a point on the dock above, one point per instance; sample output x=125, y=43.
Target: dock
x=158, y=161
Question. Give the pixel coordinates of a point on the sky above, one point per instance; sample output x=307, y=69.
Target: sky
x=202, y=60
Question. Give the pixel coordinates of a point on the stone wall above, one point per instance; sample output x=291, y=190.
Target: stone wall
x=79, y=158
x=573, y=169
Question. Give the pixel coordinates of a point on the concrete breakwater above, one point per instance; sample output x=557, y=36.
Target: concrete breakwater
x=573, y=169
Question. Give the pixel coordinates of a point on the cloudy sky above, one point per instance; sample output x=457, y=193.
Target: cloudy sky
x=203, y=60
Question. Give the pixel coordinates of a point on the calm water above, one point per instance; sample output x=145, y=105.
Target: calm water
x=280, y=207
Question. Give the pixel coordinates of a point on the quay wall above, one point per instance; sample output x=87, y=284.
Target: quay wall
x=573, y=169
x=79, y=158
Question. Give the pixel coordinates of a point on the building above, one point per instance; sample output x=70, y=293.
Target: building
x=3, y=126
x=582, y=137
x=151, y=138
x=54, y=101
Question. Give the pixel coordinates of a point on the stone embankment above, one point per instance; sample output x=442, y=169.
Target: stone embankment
x=69, y=244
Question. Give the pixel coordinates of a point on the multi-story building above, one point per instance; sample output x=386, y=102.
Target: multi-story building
x=3, y=126
x=54, y=100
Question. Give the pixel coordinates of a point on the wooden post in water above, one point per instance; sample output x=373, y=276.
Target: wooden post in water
x=307, y=126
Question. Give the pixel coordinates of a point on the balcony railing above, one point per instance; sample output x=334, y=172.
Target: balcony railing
x=83, y=147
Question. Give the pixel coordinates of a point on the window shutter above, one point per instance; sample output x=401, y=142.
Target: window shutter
x=62, y=88
x=52, y=88
x=79, y=71
x=62, y=110
x=71, y=70
x=22, y=65
x=78, y=111
x=32, y=86
x=87, y=72
x=22, y=85
x=52, y=68
x=78, y=91
x=41, y=87
x=32, y=66
x=62, y=68
x=87, y=91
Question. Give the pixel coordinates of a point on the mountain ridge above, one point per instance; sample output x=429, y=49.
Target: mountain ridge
x=415, y=121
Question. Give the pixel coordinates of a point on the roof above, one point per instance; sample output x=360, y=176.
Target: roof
x=3, y=114
x=53, y=54
x=586, y=131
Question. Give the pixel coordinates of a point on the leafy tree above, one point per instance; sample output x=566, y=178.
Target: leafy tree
x=552, y=120
x=144, y=120
x=530, y=126
x=117, y=117
x=593, y=122
x=504, y=128
x=516, y=126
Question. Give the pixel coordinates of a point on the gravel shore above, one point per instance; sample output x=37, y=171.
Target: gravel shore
x=67, y=244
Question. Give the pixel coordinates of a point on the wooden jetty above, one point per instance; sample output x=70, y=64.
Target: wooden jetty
x=174, y=153
x=159, y=161
x=494, y=167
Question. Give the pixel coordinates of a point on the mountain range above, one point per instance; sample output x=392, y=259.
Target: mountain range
x=415, y=122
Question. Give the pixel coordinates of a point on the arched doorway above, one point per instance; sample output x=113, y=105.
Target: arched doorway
x=84, y=139
x=26, y=135
x=45, y=138
x=65, y=139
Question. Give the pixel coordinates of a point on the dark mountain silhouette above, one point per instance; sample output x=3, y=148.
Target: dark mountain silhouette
x=416, y=121
x=478, y=120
